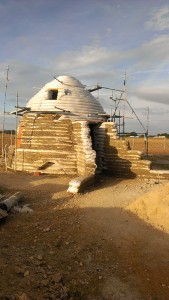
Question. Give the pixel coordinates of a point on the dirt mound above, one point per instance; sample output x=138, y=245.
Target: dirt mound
x=153, y=207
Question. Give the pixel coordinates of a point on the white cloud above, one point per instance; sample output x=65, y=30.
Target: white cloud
x=152, y=54
x=159, y=19
x=151, y=58
x=94, y=64
x=154, y=93
x=22, y=78
x=87, y=56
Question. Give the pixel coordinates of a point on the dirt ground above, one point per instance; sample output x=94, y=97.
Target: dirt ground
x=87, y=246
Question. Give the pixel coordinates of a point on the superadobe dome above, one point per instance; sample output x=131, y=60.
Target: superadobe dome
x=65, y=93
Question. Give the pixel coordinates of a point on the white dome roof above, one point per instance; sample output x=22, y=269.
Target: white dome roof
x=65, y=93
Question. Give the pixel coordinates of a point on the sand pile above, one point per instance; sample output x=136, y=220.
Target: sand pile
x=153, y=207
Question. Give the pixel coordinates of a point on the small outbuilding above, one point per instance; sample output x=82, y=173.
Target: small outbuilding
x=64, y=130
x=56, y=133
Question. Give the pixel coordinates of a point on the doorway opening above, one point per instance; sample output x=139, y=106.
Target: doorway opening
x=97, y=145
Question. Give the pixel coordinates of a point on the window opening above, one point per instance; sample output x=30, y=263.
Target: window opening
x=53, y=94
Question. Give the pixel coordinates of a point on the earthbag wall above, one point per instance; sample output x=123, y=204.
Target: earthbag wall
x=45, y=145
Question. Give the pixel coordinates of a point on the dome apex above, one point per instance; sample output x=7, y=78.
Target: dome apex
x=66, y=93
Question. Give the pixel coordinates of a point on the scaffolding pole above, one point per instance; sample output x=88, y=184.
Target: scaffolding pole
x=4, y=111
x=124, y=102
x=147, y=132
x=16, y=126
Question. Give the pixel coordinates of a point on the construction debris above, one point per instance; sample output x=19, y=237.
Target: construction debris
x=9, y=203
x=77, y=184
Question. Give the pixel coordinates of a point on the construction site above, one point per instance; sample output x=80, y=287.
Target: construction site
x=84, y=212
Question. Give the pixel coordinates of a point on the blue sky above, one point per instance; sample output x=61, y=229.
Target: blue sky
x=96, y=41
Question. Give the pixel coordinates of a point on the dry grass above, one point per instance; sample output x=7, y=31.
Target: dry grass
x=6, y=140
x=156, y=146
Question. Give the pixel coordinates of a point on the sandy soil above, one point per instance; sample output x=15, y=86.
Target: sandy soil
x=90, y=246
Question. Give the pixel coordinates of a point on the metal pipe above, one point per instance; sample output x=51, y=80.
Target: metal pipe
x=10, y=202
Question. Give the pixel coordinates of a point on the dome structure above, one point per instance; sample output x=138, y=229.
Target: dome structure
x=66, y=94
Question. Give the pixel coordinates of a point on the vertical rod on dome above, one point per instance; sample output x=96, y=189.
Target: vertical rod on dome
x=4, y=110
x=16, y=126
